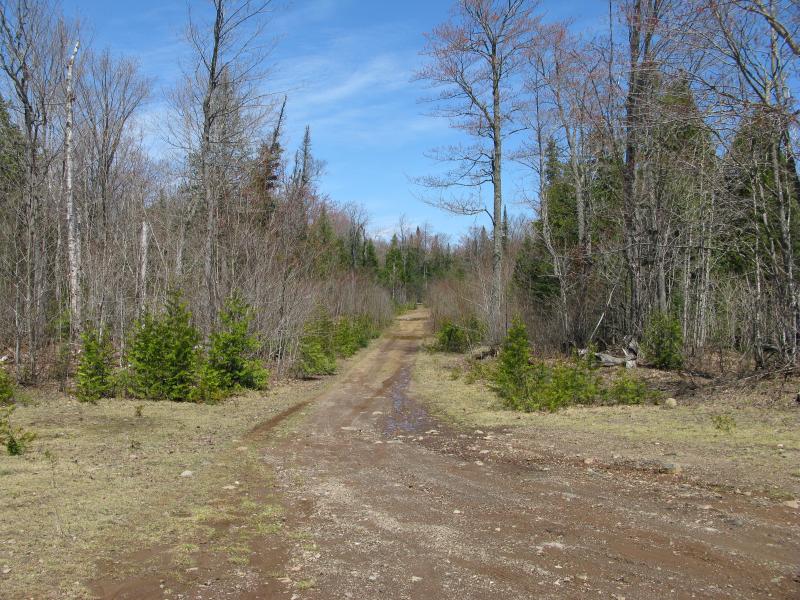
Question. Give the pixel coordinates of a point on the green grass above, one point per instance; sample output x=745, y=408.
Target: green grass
x=100, y=481
x=744, y=442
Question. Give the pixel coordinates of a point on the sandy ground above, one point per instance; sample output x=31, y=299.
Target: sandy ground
x=370, y=496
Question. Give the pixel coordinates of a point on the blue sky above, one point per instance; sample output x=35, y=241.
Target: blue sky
x=347, y=68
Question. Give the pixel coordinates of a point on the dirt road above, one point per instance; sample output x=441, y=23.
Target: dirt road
x=383, y=502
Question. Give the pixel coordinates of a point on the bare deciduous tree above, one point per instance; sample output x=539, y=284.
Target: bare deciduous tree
x=475, y=60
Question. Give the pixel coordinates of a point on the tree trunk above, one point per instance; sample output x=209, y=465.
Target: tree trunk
x=73, y=241
x=496, y=328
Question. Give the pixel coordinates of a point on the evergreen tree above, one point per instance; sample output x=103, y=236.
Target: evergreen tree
x=95, y=370
x=512, y=374
x=232, y=351
x=164, y=354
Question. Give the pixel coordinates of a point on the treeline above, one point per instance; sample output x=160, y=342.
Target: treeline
x=664, y=181
x=97, y=235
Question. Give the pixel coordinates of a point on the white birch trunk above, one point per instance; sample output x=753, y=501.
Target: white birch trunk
x=73, y=241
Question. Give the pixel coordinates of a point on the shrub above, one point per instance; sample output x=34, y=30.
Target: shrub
x=538, y=386
x=512, y=376
x=314, y=359
x=15, y=439
x=164, y=355
x=663, y=341
x=459, y=338
x=568, y=384
x=452, y=338
x=626, y=389
x=346, y=337
x=209, y=387
x=232, y=351
x=6, y=387
x=94, y=374
x=724, y=423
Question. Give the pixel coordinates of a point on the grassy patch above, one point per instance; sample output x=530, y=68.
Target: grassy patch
x=732, y=433
x=101, y=479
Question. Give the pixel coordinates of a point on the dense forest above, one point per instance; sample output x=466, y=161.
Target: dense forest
x=663, y=188
x=662, y=152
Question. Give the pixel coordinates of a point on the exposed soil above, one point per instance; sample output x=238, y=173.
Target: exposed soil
x=381, y=500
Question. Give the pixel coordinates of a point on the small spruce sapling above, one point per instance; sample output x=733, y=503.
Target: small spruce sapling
x=232, y=355
x=6, y=387
x=164, y=354
x=95, y=372
x=512, y=375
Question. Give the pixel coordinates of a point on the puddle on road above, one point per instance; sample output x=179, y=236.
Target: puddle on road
x=406, y=416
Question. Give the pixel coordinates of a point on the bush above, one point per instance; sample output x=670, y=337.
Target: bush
x=6, y=387
x=164, y=355
x=209, y=387
x=15, y=439
x=346, y=337
x=314, y=359
x=724, y=423
x=232, y=352
x=459, y=338
x=628, y=390
x=512, y=376
x=95, y=371
x=663, y=342
x=538, y=386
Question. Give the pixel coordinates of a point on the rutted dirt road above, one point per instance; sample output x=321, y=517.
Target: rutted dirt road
x=383, y=502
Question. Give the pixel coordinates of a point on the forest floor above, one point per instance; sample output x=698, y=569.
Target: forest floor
x=397, y=479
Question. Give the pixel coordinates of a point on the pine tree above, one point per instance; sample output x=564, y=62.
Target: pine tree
x=232, y=351
x=164, y=354
x=95, y=371
x=512, y=375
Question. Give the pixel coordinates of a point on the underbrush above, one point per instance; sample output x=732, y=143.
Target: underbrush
x=459, y=337
x=325, y=340
x=527, y=384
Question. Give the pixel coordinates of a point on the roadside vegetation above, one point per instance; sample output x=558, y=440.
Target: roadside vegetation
x=744, y=436
x=525, y=383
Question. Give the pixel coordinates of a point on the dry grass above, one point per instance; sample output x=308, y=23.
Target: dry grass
x=99, y=480
x=761, y=450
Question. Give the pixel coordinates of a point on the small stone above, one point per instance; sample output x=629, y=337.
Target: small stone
x=187, y=474
x=792, y=504
x=229, y=487
x=669, y=468
x=415, y=579
x=589, y=461
x=479, y=463
x=373, y=577
x=6, y=569
x=670, y=403
x=456, y=512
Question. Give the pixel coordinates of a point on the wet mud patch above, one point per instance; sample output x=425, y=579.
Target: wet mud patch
x=406, y=417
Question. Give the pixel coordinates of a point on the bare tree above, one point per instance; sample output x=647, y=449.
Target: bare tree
x=222, y=106
x=73, y=234
x=474, y=60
